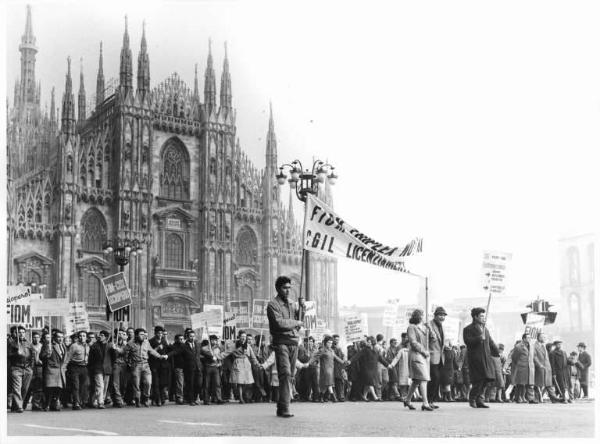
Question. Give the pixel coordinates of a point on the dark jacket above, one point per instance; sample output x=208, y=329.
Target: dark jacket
x=192, y=358
x=164, y=349
x=480, y=349
x=21, y=353
x=367, y=360
x=560, y=368
x=584, y=362
x=283, y=319
x=99, y=359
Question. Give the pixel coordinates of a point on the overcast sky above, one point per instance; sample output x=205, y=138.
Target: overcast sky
x=472, y=124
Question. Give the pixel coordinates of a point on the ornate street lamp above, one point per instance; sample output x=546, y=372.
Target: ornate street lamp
x=304, y=182
x=123, y=251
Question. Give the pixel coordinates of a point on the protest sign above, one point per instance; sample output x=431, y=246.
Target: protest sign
x=50, y=307
x=534, y=324
x=77, y=318
x=18, y=306
x=259, y=314
x=310, y=315
x=390, y=313
x=320, y=330
x=241, y=309
x=229, y=326
x=328, y=234
x=353, y=328
x=494, y=268
x=116, y=290
x=210, y=319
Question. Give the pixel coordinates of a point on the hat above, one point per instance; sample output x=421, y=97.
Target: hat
x=556, y=340
x=581, y=344
x=440, y=311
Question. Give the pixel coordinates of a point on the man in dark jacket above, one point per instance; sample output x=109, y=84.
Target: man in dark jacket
x=100, y=367
x=192, y=368
x=560, y=370
x=160, y=368
x=584, y=362
x=178, y=366
x=284, y=323
x=480, y=349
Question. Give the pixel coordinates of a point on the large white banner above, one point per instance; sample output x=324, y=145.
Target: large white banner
x=327, y=233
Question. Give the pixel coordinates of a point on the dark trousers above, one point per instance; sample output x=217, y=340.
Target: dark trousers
x=477, y=391
x=193, y=384
x=584, y=389
x=212, y=383
x=433, y=386
x=52, y=395
x=80, y=382
x=285, y=359
x=161, y=378
x=340, y=389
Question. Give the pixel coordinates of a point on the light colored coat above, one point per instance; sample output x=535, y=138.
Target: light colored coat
x=55, y=359
x=436, y=343
x=523, y=368
x=543, y=369
x=418, y=365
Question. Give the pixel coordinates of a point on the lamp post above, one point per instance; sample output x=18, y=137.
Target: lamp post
x=122, y=254
x=305, y=182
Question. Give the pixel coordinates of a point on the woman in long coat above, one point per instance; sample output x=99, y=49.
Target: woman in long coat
x=523, y=370
x=418, y=359
x=54, y=359
x=241, y=371
x=326, y=357
x=367, y=359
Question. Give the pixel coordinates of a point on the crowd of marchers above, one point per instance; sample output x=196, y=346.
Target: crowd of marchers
x=125, y=368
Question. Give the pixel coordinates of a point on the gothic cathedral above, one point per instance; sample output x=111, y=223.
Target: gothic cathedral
x=159, y=169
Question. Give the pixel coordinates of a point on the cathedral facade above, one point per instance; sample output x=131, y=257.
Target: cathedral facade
x=158, y=167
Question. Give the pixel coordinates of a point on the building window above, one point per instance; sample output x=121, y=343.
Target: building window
x=92, y=289
x=174, y=251
x=174, y=179
x=247, y=247
x=93, y=231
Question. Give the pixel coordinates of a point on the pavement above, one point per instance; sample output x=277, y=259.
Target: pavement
x=349, y=419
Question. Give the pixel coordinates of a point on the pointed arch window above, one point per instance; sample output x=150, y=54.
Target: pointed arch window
x=247, y=247
x=92, y=289
x=93, y=230
x=174, y=250
x=38, y=213
x=174, y=178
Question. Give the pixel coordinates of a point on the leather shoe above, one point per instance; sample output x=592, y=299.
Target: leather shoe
x=285, y=414
x=481, y=405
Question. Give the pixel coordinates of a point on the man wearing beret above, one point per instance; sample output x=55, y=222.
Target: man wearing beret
x=436, y=355
x=480, y=349
x=584, y=362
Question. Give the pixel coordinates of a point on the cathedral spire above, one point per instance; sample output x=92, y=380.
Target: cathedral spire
x=210, y=88
x=196, y=93
x=271, y=142
x=68, y=107
x=81, y=96
x=225, y=83
x=100, y=79
x=125, y=70
x=28, y=51
x=143, y=79
x=52, y=108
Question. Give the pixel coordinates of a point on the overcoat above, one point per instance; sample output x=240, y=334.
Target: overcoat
x=543, y=369
x=522, y=367
x=480, y=349
x=584, y=363
x=326, y=358
x=450, y=362
x=241, y=372
x=560, y=369
x=367, y=365
x=418, y=365
x=54, y=357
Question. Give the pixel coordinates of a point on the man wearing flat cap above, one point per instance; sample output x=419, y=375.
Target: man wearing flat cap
x=480, y=349
x=436, y=354
x=584, y=362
